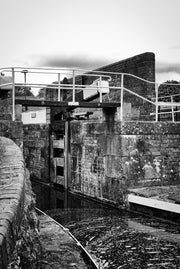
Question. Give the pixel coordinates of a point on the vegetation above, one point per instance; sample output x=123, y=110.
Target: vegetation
x=28, y=250
x=52, y=93
x=166, y=91
x=23, y=91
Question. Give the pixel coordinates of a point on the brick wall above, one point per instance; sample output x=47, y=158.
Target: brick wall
x=109, y=156
x=143, y=66
x=36, y=150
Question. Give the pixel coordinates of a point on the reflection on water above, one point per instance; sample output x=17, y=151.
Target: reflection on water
x=51, y=198
x=114, y=238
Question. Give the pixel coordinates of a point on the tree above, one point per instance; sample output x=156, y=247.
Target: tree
x=50, y=92
x=23, y=91
x=166, y=90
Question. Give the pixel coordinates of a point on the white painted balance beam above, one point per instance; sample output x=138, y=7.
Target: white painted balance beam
x=149, y=202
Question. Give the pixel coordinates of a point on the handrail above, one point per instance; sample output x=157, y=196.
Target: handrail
x=141, y=97
x=172, y=95
x=55, y=86
x=5, y=84
x=165, y=112
x=85, y=72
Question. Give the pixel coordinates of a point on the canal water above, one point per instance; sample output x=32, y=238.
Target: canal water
x=115, y=239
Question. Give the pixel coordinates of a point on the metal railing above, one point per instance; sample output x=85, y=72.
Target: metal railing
x=24, y=78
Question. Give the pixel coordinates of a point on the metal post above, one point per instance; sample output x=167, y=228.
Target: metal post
x=24, y=72
x=73, y=103
x=73, y=100
x=122, y=96
x=13, y=95
x=25, y=77
x=156, y=92
x=100, y=90
x=172, y=108
x=59, y=87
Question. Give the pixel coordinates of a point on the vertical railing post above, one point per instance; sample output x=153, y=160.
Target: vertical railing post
x=100, y=89
x=156, y=92
x=13, y=95
x=59, y=87
x=74, y=81
x=122, y=96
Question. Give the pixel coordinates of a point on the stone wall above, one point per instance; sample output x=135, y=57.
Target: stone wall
x=107, y=157
x=6, y=110
x=19, y=244
x=12, y=130
x=36, y=150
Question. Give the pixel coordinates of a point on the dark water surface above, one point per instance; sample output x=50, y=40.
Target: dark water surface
x=114, y=238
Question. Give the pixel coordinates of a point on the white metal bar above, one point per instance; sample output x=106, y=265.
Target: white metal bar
x=166, y=112
x=156, y=92
x=5, y=85
x=13, y=95
x=178, y=94
x=59, y=87
x=63, y=86
x=169, y=104
x=122, y=96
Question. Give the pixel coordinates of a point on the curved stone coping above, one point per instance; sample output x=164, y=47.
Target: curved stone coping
x=57, y=241
x=12, y=184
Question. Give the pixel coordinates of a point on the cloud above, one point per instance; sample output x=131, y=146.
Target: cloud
x=70, y=61
x=162, y=67
x=176, y=47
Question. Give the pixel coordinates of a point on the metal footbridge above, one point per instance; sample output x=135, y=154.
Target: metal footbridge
x=73, y=88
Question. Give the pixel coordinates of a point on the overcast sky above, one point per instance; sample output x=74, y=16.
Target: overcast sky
x=90, y=33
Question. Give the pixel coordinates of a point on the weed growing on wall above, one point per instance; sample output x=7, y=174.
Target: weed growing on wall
x=27, y=253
